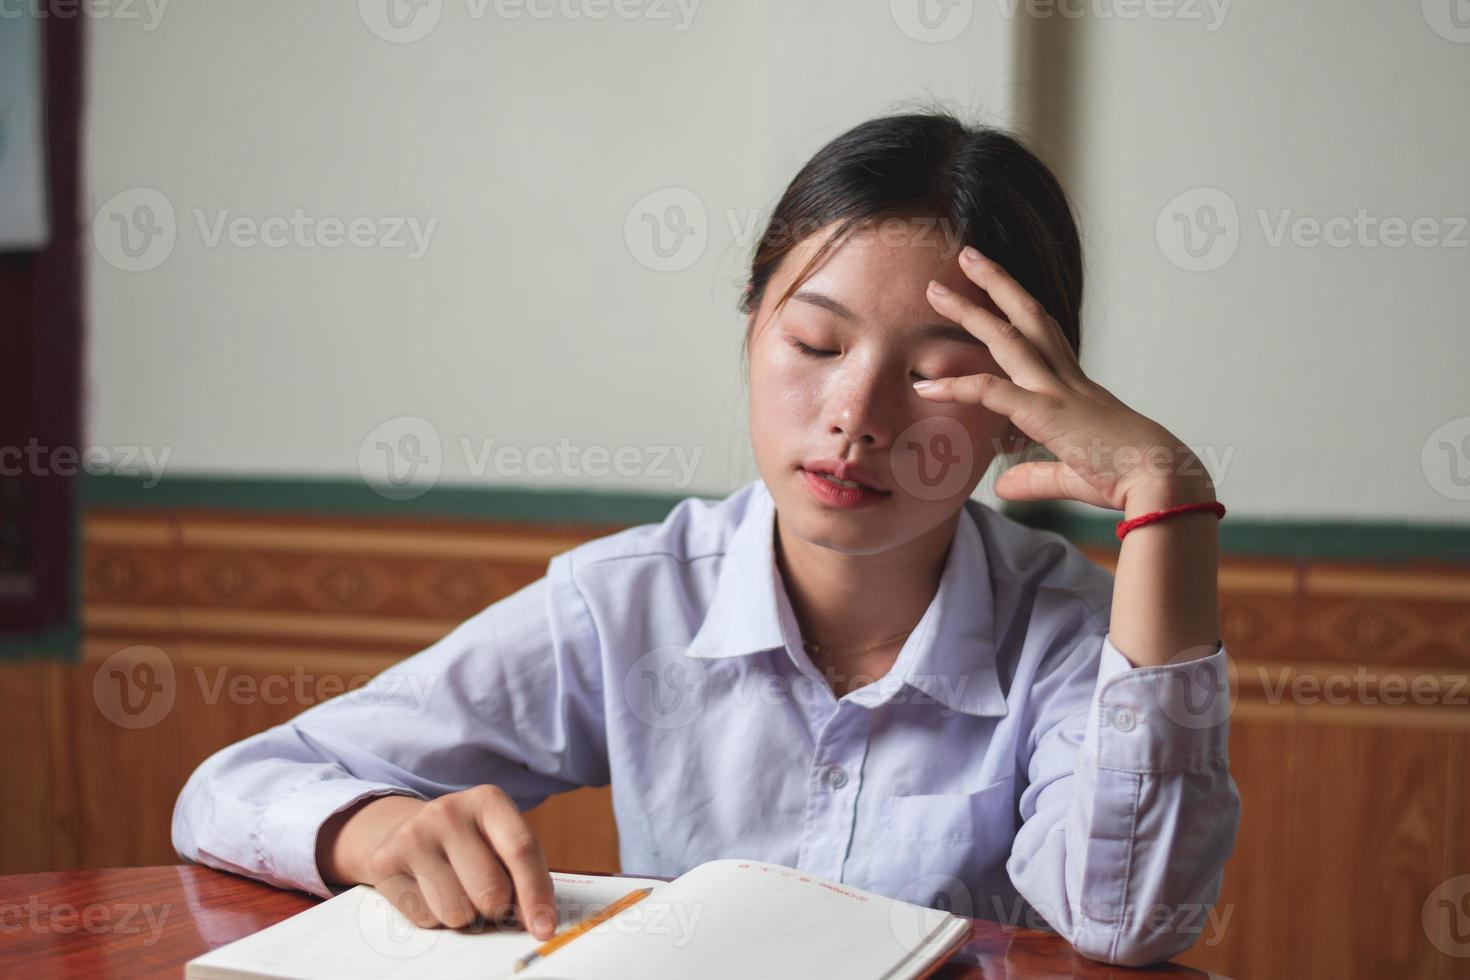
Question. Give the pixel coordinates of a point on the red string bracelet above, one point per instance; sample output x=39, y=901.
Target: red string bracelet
x=1158, y=515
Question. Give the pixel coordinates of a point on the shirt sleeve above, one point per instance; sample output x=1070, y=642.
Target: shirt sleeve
x=1131, y=811
x=511, y=697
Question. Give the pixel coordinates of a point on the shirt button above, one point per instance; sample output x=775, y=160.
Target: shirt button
x=836, y=777
x=1123, y=719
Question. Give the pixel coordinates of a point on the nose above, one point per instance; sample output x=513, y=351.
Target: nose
x=859, y=411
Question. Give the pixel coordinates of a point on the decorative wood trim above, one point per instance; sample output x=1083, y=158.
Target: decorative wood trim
x=491, y=545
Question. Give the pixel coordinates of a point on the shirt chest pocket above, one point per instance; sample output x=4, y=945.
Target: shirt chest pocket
x=945, y=850
x=983, y=816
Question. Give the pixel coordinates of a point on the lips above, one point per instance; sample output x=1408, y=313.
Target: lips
x=850, y=472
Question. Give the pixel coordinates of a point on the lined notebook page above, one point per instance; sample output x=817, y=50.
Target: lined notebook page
x=360, y=934
x=733, y=919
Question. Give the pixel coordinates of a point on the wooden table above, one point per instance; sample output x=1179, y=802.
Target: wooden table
x=147, y=922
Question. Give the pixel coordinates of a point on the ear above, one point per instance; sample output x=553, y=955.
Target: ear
x=750, y=319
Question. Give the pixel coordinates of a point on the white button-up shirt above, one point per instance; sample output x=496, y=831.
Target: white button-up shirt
x=1011, y=764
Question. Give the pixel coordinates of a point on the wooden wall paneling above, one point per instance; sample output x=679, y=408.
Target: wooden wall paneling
x=1411, y=619
x=578, y=830
x=1253, y=921
x=234, y=691
x=1369, y=839
x=1455, y=945
x=25, y=820
x=1260, y=608
x=1457, y=854
x=115, y=735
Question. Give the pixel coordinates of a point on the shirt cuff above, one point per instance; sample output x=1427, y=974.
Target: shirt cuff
x=293, y=824
x=1160, y=719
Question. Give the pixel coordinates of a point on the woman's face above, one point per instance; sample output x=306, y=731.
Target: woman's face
x=831, y=380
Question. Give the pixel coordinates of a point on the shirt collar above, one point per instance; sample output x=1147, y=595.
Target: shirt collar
x=950, y=656
x=744, y=616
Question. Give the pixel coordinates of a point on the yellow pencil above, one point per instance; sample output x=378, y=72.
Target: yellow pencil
x=558, y=941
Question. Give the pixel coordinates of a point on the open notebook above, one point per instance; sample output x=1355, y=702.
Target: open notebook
x=730, y=918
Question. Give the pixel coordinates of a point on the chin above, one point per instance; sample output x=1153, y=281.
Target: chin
x=850, y=532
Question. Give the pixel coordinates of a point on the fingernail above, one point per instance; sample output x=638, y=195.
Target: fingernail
x=970, y=253
x=940, y=289
x=923, y=385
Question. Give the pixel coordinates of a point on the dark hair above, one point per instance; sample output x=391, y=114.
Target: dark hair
x=983, y=185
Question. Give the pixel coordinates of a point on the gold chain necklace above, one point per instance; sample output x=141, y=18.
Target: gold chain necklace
x=813, y=649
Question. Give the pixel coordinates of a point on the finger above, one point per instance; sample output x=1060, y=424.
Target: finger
x=520, y=851
x=480, y=873
x=1022, y=309
x=441, y=889
x=990, y=390
x=403, y=891
x=1011, y=348
x=1046, y=481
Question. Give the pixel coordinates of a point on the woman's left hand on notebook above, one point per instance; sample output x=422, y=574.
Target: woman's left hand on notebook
x=1106, y=450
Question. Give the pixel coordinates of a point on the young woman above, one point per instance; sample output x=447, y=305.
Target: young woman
x=846, y=666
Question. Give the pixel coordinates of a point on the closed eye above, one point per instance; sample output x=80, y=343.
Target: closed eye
x=811, y=351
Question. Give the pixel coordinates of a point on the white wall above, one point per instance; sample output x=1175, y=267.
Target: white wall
x=1318, y=373
x=528, y=142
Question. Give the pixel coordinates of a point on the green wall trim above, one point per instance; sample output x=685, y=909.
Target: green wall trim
x=1368, y=541
x=54, y=643
x=354, y=497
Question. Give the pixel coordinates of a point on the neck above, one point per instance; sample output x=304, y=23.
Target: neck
x=846, y=601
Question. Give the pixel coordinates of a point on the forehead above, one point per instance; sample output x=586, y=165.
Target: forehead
x=880, y=271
